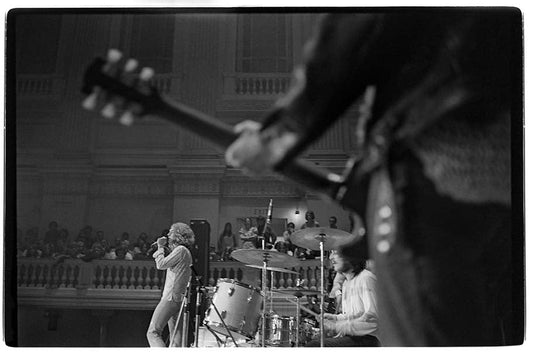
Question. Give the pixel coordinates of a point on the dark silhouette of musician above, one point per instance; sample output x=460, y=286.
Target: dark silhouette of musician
x=434, y=172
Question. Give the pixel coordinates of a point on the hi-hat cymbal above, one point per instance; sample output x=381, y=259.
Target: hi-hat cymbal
x=273, y=258
x=274, y=269
x=297, y=292
x=310, y=238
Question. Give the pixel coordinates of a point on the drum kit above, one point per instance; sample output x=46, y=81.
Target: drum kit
x=238, y=311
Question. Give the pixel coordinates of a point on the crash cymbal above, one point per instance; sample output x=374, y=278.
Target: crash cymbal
x=274, y=269
x=297, y=292
x=256, y=257
x=310, y=238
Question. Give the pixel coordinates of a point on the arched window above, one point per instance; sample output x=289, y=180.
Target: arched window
x=264, y=43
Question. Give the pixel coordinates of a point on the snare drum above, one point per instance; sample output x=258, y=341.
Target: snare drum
x=239, y=306
x=280, y=331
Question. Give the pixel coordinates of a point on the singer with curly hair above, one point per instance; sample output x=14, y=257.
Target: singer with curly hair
x=178, y=266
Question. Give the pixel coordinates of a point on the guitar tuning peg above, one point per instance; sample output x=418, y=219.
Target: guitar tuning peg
x=109, y=111
x=126, y=119
x=131, y=65
x=114, y=55
x=146, y=73
x=90, y=101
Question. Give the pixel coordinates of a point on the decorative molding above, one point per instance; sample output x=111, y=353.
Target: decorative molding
x=130, y=187
x=66, y=184
x=254, y=187
x=190, y=185
x=248, y=103
x=249, y=85
x=41, y=86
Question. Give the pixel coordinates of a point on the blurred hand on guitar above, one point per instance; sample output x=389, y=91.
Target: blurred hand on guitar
x=258, y=151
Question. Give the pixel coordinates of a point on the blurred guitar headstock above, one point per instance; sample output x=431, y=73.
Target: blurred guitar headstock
x=119, y=88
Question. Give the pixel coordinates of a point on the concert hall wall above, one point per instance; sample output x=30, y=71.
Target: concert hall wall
x=77, y=168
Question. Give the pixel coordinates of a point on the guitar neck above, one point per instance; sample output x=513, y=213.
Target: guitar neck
x=216, y=132
x=222, y=135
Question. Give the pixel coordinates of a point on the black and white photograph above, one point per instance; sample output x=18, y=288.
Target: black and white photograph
x=264, y=177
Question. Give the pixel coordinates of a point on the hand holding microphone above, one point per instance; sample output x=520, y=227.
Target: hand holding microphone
x=162, y=241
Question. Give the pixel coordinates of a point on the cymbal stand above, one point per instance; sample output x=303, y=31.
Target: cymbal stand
x=263, y=288
x=298, y=320
x=321, y=238
x=271, y=291
x=264, y=276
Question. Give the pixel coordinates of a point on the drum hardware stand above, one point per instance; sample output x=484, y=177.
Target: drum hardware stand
x=271, y=291
x=265, y=261
x=298, y=320
x=263, y=285
x=211, y=304
x=219, y=341
x=321, y=238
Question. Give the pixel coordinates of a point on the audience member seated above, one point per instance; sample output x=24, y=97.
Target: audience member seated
x=110, y=253
x=264, y=231
x=332, y=222
x=86, y=237
x=282, y=246
x=52, y=235
x=227, y=242
x=143, y=253
x=248, y=234
x=310, y=222
x=287, y=238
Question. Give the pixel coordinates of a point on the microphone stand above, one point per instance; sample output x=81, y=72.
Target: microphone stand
x=185, y=327
x=197, y=310
x=182, y=308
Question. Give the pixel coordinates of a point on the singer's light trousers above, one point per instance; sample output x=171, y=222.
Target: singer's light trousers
x=165, y=313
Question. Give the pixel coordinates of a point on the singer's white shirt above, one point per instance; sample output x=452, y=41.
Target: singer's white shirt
x=178, y=265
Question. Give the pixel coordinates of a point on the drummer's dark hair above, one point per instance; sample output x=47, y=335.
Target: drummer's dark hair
x=352, y=256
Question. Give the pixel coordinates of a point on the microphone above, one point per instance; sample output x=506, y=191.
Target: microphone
x=269, y=212
x=154, y=245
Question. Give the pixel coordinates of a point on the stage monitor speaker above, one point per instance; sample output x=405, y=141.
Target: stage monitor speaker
x=200, y=257
x=200, y=252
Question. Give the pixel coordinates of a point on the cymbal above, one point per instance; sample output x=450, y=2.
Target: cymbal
x=274, y=269
x=297, y=292
x=256, y=257
x=310, y=238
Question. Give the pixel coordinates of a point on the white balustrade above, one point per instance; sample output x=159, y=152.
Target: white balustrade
x=256, y=84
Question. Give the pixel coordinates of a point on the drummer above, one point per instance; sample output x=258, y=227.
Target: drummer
x=356, y=325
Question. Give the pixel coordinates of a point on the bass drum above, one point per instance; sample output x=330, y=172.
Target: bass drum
x=239, y=306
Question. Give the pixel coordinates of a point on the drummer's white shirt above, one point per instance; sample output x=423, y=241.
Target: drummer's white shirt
x=359, y=306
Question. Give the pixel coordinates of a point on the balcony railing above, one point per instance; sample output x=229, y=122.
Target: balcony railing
x=39, y=85
x=112, y=284
x=244, y=84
